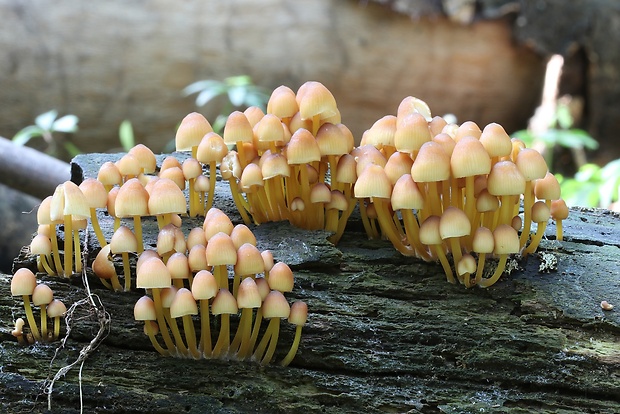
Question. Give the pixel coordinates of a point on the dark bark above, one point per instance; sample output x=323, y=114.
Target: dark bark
x=384, y=333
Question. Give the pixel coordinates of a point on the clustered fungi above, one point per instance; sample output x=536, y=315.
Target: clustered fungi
x=24, y=284
x=434, y=190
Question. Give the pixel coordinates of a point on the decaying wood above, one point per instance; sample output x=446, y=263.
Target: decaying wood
x=384, y=333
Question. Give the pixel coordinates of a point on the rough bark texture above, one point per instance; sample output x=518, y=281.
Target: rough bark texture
x=385, y=333
x=117, y=60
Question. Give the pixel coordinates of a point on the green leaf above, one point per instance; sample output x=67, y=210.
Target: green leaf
x=241, y=80
x=563, y=116
x=237, y=94
x=25, y=134
x=126, y=136
x=72, y=149
x=570, y=138
x=67, y=123
x=46, y=121
x=526, y=136
x=201, y=86
x=206, y=95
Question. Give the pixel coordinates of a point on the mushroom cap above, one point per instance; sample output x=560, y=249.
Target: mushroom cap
x=299, y=313
x=320, y=193
x=267, y=259
x=146, y=158
x=178, y=266
x=67, y=200
x=315, y=99
x=41, y=244
x=251, y=176
x=467, y=129
x=249, y=260
x=547, y=188
x=334, y=139
x=337, y=201
x=469, y=158
x=144, y=309
x=281, y=277
x=95, y=192
x=506, y=240
x=166, y=197
x=224, y=302
x=274, y=165
x=531, y=164
x=102, y=265
x=411, y=132
x=269, y=129
x=559, y=209
x=411, y=104
x=454, y=223
x=204, y=285
x=191, y=130
x=23, y=282
x=406, y=195
x=436, y=125
x=483, y=241
x=196, y=236
x=495, y=140
x=467, y=264
x=42, y=295
x=242, y=234
x=167, y=296
x=109, y=174
x=540, y=212
x=282, y=102
x=248, y=295
x=56, y=308
x=212, y=148
x=183, y=304
x=128, y=165
x=431, y=164
x=197, y=258
x=302, y=148
x=486, y=202
x=398, y=165
x=43, y=212
x=253, y=114
x=429, y=231
x=346, y=169
x=153, y=274
x=505, y=179
x=191, y=168
x=170, y=162
x=366, y=155
x=221, y=250
x=144, y=256
x=263, y=287
x=216, y=221
x=275, y=306
x=373, y=182
x=237, y=129
x=446, y=142
x=381, y=133
x=123, y=241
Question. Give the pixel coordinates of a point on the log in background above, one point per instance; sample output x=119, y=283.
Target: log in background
x=385, y=333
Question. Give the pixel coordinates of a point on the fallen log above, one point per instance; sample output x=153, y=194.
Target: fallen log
x=384, y=333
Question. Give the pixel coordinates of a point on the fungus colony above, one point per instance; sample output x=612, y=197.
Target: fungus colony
x=437, y=191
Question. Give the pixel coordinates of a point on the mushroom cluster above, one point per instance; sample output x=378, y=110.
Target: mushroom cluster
x=24, y=284
x=189, y=277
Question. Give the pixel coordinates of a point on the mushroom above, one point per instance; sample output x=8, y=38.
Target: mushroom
x=103, y=267
x=167, y=297
x=211, y=151
x=298, y=317
x=132, y=200
x=238, y=131
x=191, y=131
x=248, y=299
x=533, y=167
x=506, y=181
x=225, y=305
x=178, y=265
x=249, y=263
x=97, y=197
x=124, y=242
x=316, y=103
x=56, y=309
x=191, y=171
x=453, y=225
x=153, y=274
x=204, y=287
x=109, y=175
x=221, y=252
x=42, y=247
x=42, y=296
x=184, y=306
x=283, y=103
x=430, y=236
x=275, y=307
x=406, y=197
x=559, y=212
x=506, y=242
x=44, y=219
x=432, y=166
x=483, y=244
x=166, y=199
x=23, y=284
x=18, y=332
x=144, y=310
x=540, y=215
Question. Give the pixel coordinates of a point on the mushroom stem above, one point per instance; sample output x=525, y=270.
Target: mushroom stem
x=148, y=327
x=126, y=271
x=68, y=246
x=30, y=317
x=43, y=260
x=56, y=328
x=388, y=226
x=212, y=180
x=190, y=336
x=55, y=254
x=272, y=329
x=44, y=323
x=205, y=328
x=412, y=230
x=96, y=227
x=78, y=251
x=480, y=268
x=536, y=238
x=223, y=340
x=181, y=348
x=255, y=329
x=501, y=265
x=161, y=321
x=240, y=202
x=137, y=228
x=241, y=341
x=293, y=351
x=455, y=247
x=441, y=255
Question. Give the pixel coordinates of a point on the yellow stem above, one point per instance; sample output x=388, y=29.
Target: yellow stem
x=498, y=272
x=68, y=246
x=291, y=353
x=30, y=317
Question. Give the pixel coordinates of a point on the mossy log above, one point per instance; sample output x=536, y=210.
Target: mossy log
x=385, y=333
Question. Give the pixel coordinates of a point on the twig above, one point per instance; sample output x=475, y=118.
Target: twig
x=93, y=302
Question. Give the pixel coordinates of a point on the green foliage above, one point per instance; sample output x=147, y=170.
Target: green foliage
x=592, y=186
x=45, y=126
x=126, y=136
x=239, y=92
